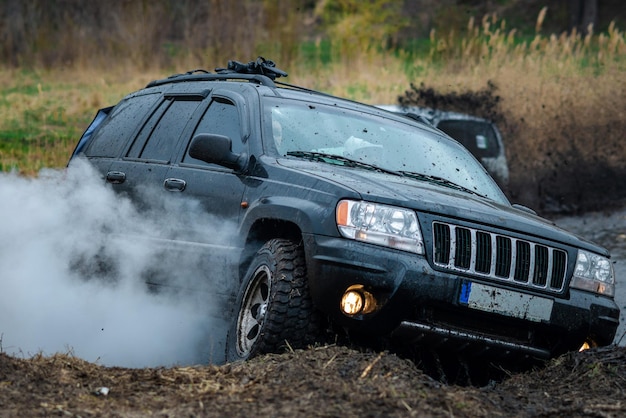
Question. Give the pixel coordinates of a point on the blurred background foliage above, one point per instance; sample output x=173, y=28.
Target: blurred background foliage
x=556, y=68
x=145, y=33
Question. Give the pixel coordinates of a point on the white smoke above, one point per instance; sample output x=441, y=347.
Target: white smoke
x=71, y=281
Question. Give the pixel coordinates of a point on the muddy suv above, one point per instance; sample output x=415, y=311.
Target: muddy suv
x=351, y=218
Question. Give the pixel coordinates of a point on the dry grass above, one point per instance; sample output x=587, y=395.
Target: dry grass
x=563, y=98
x=43, y=113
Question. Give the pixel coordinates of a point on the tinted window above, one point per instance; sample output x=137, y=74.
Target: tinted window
x=116, y=130
x=163, y=130
x=93, y=126
x=476, y=136
x=220, y=118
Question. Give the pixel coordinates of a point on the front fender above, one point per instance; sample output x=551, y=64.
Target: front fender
x=310, y=216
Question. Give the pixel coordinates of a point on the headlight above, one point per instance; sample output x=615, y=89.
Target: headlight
x=595, y=273
x=380, y=224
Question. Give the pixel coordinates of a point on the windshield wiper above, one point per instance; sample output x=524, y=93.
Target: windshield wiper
x=439, y=180
x=324, y=157
x=335, y=159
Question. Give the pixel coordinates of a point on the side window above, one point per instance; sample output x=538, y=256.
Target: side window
x=100, y=117
x=221, y=118
x=160, y=134
x=111, y=137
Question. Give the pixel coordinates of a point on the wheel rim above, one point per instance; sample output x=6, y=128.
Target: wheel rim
x=253, y=310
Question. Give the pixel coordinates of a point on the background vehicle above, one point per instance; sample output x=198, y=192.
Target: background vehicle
x=350, y=217
x=480, y=136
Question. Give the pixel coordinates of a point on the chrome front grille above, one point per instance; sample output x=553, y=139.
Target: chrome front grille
x=500, y=257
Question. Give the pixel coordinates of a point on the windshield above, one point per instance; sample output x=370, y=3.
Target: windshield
x=311, y=131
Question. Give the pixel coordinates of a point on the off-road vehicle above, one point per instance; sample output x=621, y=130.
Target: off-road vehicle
x=353, y=218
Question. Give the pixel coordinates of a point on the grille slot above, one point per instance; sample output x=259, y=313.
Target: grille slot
x=498, y=256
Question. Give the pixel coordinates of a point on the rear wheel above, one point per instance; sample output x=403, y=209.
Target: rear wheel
x=274, y=307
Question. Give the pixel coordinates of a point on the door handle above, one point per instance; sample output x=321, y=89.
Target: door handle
x=116, y=177
x=174, y=185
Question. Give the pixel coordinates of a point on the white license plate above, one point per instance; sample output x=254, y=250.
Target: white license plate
x=505, y=302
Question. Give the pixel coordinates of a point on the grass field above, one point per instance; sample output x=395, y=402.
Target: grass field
x=562, y=102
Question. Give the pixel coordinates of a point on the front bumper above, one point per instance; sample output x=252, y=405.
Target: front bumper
x=424, y=306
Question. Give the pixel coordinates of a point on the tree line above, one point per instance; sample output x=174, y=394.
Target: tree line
x=160, y=32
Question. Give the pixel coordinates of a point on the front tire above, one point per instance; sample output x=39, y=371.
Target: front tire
x=274, y=307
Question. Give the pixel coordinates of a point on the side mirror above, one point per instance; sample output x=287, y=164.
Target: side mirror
x=216, y=149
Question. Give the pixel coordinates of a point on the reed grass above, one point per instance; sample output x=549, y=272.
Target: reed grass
x=564, y=101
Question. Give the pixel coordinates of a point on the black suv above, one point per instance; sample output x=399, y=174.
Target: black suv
x=351, y=218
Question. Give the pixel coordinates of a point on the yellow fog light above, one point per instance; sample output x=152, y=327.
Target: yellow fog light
x=587, y=345
x=351, y=302
x=357, y=300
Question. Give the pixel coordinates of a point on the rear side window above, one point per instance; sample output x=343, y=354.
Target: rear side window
x=160, y=135
x=116, y=130
x=93, y=126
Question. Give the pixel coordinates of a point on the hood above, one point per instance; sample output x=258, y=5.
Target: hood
x=429, y=198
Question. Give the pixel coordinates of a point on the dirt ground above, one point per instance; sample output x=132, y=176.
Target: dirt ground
x=327, y=381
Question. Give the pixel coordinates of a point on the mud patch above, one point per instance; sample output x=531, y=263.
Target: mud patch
x=321, y=381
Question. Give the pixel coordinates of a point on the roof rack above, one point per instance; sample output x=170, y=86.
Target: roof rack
x=261, y=71
x=260, y=66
